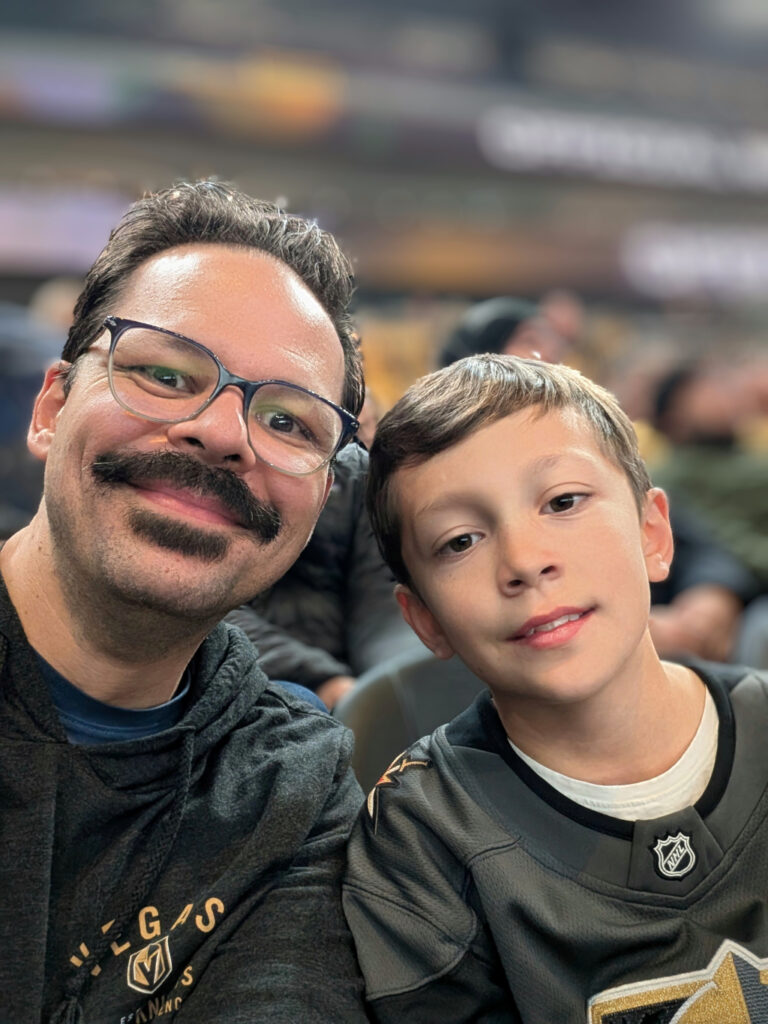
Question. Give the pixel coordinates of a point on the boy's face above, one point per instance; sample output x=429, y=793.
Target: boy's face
x=530, y=559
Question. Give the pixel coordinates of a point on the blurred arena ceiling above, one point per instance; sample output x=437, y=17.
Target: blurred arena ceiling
x=455, y=146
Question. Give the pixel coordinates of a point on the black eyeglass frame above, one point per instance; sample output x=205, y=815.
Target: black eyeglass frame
x=117, y=325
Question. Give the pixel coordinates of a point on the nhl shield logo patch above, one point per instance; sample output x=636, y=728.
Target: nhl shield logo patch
x=149, y=967
x=674, y=856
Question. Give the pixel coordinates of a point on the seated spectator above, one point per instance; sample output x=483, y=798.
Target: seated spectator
x=505, y=325
x=26, y=348
x=699, y=608
x=173, y=825
x=333, y=614
x=700, y=407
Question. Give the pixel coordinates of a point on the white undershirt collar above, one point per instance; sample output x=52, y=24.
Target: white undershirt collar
x=679, y=786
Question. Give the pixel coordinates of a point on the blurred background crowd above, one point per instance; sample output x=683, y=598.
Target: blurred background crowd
x=604, y=165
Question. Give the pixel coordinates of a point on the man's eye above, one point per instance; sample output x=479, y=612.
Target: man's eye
x=282, y=422
x=163, y=375
x=564, y=502
x=166, y=377
x=291, y=426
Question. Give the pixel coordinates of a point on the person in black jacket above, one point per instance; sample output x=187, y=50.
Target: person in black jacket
x=333, y=615
x=699, y=608
x=506, y=325
x=172, y=827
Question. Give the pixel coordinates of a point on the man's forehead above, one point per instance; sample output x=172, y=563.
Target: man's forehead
x=185, y=269
x=230, y=283
x=239, y=302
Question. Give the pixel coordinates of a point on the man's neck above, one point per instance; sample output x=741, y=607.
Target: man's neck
x=632, y=730
x=120, y=654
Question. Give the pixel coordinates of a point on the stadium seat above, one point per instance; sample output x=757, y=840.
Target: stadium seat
x=398, y=701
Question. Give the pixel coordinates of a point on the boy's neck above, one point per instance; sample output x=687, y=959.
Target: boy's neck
x=621, y=735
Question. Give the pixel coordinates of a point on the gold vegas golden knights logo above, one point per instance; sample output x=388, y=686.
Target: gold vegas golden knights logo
x=732, y=989
x=149, y=967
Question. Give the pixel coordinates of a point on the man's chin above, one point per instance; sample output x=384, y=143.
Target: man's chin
x=181, y=538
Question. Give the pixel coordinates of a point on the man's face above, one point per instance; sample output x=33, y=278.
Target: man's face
x=530, y=559
x=149, y=536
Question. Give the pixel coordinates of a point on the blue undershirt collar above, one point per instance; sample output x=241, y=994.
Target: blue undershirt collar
x=89, y=721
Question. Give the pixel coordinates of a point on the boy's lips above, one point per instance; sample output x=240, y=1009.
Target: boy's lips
x=560, y=621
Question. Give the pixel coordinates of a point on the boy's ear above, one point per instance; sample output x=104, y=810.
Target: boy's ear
x=658, y=545
x=48, y=404
x=422, y=622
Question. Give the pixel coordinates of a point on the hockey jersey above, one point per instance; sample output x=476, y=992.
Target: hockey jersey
x=477, y=892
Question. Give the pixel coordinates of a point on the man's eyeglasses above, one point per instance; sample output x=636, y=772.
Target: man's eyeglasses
x=164, y=377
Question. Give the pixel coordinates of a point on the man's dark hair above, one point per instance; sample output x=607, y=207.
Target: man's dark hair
x=210, y=211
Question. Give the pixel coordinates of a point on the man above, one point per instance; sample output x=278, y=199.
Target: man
x=172, y=827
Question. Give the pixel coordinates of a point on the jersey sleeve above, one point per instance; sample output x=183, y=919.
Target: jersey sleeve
x=418, y=928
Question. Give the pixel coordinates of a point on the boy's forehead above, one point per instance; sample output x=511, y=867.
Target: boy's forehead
x=568, y=421
x=545, y=434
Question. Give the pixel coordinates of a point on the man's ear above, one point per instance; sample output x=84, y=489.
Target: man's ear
x=658, y=545
x=422, y=622
x=45, y=413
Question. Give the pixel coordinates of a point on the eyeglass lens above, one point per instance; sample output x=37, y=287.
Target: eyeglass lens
x=167, y=379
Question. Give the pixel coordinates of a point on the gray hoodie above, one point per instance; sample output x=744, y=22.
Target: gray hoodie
x=191, y=876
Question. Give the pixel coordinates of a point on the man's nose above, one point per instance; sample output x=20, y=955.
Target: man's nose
x=219, y=434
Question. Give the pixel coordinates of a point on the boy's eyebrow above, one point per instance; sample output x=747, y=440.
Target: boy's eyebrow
x=445, y=502
x=450, y=499
x=546, y=462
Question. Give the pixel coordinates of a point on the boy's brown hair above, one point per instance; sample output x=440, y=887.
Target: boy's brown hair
x=445, y=407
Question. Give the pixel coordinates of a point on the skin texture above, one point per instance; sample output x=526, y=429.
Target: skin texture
x=100, y=599
x=522, y=523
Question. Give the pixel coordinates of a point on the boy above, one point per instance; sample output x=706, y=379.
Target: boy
x=587, y=841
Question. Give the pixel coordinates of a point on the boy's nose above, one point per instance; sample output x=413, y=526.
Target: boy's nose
x=525, y=562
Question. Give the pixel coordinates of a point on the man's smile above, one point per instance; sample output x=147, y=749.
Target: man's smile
x=184, y=485
x=186, y=502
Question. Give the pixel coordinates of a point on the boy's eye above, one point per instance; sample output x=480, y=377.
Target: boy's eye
x=462, y=542
x=564, y=502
